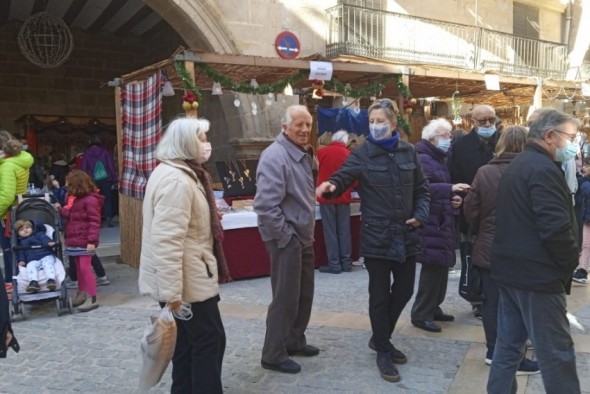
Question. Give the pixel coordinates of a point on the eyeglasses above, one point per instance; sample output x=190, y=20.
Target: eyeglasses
x=485, y=120
x=571, y=137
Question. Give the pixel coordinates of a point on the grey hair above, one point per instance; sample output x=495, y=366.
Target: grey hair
x=180, y=141
x=293, y=109
x=341, y=136
x=431, y=129
x=546, y=119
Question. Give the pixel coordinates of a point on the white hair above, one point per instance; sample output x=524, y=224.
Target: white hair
x=341, y=136
x=434, y=126
x=180, y=141
x=293, y=109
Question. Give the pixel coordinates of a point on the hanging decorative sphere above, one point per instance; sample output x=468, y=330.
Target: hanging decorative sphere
x=45, y=40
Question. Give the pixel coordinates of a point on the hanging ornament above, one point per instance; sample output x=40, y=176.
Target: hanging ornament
x=317, y=94
x=288, y=91
x=45, y=40
x=344, y=101
x=317, y=84
x=237, y=102
x=189, y=101
x=254, y=108
x=216, y=89
x=253, y=83
x=269, y=99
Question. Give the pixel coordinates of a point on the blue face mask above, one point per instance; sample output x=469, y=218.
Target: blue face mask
x=379, y=130
x=567, y=153
x=486, y=132
x=444, y=145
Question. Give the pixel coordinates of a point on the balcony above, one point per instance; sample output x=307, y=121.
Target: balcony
x=359, y=31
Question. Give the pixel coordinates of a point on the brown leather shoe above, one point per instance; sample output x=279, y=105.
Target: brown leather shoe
x=80, y=298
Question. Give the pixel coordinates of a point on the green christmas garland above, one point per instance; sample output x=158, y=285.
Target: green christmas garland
x=278, y=86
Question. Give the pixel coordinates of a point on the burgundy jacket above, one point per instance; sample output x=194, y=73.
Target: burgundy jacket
x=83, y=220
x=480, y=207
x=331, y=158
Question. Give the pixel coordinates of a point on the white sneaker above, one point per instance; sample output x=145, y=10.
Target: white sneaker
x=359, y=263
x=102, y=281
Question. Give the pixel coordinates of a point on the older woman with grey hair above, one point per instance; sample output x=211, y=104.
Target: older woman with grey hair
x=181, y=256
x=437, y=236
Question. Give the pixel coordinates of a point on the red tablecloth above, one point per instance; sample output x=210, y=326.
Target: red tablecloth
x=246, y=254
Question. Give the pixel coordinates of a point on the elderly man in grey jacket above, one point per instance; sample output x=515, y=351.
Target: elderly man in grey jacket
x=285, y=205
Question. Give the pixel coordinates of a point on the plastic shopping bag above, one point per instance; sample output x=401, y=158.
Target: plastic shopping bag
x=157, y=348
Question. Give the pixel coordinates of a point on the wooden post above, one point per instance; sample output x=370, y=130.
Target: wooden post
x=190, y=69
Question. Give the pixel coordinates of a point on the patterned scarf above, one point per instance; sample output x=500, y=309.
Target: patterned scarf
x=216, y=229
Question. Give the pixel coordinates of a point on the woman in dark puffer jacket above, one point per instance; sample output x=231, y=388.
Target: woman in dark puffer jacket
x=437, y=237
x=480, y=212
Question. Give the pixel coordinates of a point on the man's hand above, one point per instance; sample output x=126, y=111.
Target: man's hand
x=413, y=222
x=456, y=201
x=51, y=243
x=324, y=187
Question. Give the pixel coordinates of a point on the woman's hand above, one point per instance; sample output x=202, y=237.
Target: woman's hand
x=22, y=264
x=324, y=187
x=460, y=188
x=174, y=305
x=456, y=201
x=90, y=248
x=413, y=222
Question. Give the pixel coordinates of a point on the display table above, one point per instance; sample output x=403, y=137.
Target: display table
x=245, y=251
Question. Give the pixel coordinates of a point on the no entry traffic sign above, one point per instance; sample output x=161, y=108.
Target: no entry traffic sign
x=287, y=45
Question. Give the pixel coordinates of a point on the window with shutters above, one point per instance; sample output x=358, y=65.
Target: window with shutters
x=525, y=21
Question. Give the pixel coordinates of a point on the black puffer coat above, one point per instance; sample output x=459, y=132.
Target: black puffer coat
x=393, y=189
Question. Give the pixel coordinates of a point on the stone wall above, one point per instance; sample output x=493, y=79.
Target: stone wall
x=78, y=87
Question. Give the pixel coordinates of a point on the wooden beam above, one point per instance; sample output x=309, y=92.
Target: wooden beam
x=139, y=16
x=112, y=9
x=4, y=11
x=73, y=11
x=38, y=6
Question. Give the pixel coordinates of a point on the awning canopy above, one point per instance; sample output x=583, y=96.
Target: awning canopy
x=423, y=81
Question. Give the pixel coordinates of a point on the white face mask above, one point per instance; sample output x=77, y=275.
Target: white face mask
x=204, y=151
x=379, y=130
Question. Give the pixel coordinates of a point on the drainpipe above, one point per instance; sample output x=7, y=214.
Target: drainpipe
x=568, y=22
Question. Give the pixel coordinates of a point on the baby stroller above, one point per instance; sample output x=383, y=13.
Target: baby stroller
x=41, y=212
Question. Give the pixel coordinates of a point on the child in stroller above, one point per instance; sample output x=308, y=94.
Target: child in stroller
x=38, y=256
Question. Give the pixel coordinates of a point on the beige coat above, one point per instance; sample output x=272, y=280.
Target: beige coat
x=177, y=260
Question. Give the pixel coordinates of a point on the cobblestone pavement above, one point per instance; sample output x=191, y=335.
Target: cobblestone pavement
x=98, y=352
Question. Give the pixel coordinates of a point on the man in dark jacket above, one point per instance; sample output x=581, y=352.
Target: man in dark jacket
x=533, y=255
x=467, y=156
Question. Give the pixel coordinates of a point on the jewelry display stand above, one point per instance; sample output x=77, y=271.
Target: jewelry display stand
x=238, y=177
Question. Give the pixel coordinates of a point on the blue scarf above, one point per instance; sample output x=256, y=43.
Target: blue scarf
x=389, y=144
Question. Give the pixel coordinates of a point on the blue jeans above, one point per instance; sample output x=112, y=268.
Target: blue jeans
x=542, y=318
x=336, y=226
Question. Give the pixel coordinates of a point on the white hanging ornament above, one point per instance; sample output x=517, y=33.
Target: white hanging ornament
x=344, y=101
x=237, y=102
x=254, y=108
x=269, y=99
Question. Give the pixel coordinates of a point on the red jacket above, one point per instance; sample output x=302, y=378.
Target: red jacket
x=331, y=158
x=83, y=220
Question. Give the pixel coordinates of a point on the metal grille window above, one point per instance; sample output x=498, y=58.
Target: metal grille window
x=525, y=21
x=361, y=25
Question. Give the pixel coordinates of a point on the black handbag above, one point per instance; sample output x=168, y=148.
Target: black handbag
x=470, y=283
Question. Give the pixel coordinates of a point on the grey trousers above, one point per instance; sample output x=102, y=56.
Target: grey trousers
x=542, y=318
x=432, y=289
x=336, y=225
x=292, y=282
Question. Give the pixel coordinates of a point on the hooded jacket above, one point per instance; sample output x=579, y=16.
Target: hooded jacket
x=92, y=155
x=330, y=159
x=37, y=238
x=14, y=175
x=83, y=220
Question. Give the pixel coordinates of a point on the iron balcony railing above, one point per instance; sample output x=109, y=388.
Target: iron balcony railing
x=379, y=34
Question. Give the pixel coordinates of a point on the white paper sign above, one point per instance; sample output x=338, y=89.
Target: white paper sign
x=585, y=89
x=320, y=70
x=492, y=82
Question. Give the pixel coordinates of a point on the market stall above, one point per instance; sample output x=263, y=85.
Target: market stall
x=245, y=252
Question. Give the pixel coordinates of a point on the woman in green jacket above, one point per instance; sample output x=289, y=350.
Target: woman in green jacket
x=14, y=175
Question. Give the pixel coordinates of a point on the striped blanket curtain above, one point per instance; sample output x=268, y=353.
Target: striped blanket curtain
x=141, y=113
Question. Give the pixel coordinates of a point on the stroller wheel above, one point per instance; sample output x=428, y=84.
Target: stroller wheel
x=58, y=306
x=70, y=305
